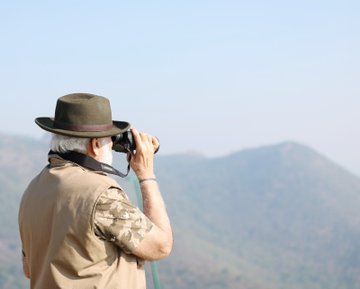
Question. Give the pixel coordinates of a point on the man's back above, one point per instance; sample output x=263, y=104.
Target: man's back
x=56, y=225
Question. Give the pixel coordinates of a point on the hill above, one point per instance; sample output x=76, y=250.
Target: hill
x=281, y=216
x=286, y=216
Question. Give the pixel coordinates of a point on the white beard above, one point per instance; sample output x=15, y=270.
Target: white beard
x=107, y=155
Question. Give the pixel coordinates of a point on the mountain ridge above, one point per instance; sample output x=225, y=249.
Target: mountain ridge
x=283, y=183
x=278, y=216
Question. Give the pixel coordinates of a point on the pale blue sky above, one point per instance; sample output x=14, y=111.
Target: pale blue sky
x=207, y=76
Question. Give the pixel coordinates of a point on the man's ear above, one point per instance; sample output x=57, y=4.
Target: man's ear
x=94, y=147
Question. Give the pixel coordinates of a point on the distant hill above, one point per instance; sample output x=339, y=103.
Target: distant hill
x=281, y=216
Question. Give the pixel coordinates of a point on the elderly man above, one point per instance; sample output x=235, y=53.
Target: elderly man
x=77, y=226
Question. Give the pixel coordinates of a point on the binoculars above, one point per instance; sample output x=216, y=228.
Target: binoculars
x=125, y=143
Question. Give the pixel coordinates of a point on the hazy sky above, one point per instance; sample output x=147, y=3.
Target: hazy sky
x=208, y=76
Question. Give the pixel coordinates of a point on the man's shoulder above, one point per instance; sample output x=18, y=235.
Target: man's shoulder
x=87, y=176
x=114, y=193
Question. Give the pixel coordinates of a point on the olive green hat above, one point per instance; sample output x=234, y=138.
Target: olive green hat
x=83, y=115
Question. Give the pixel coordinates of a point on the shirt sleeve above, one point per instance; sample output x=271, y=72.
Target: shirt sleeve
x=118, y=221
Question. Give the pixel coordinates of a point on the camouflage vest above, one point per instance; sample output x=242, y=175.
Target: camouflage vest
x=56, y=227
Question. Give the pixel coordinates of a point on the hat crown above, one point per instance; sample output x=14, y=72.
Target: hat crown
x=83, y=112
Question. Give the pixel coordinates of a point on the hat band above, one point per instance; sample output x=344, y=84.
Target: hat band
x=83, y=128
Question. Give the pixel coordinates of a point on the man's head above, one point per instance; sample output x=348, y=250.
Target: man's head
x=83, y=123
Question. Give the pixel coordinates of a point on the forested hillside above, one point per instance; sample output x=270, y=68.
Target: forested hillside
x=280, y=216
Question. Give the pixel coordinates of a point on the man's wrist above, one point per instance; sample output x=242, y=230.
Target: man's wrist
x=143, y=180
x=145, y=175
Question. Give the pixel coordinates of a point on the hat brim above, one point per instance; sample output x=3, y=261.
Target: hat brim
x=47, y=123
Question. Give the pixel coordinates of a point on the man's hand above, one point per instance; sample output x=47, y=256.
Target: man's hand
x=142, y=162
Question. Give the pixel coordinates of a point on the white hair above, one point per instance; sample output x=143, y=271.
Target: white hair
x=62, y=144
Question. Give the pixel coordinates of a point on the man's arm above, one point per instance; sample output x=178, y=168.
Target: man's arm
x=158, y=243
